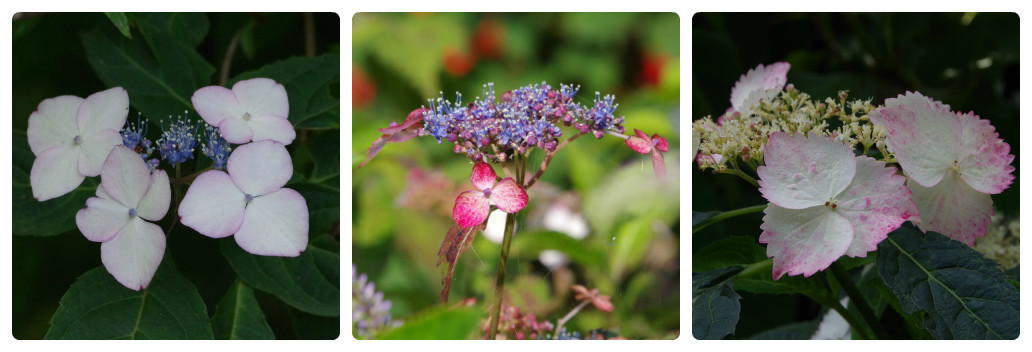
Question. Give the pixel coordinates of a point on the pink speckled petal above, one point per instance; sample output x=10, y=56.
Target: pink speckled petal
x=53, y=123
x=804, y=241
x=509, y=196
x=758, y=83
x=213, y=205
x=661, y=143
x=924, y=138
x=641, y=134
x=101, y=219
x=953, y=208
x=215, y=103
x=985, y=160
x=133, y=255
x=639, y=145
x=483, y=176
x=471, y=209
x=275, y=224
x=804, y=172
x=876, y=203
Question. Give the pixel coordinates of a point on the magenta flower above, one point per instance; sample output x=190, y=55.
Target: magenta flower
x=644, y=144
x=472, y=207
x=254, y=110
x=759, y=83
x=954, y=162
x=825, y=202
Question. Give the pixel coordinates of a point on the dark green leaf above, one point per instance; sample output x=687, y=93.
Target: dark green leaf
x=803, y=330
x=238, y=316
x=323, y=207
x=715, y=305
x=120, y=22
x=47, y=218
x=963, y=294
x=734, y=250
x=438, y=324
x=98, y=307
x=745, y=251
x=312, y=88
x=313, y=327
x=301, y=281
x=762, y=282
x=700, y=216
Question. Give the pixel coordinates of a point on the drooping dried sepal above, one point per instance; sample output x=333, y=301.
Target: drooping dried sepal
x=395, y=133
x=456, y=242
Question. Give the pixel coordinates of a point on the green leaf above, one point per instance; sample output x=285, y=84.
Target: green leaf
x=529, y=245
x=700, y=216
x=745, y=251
x=414, y=46
x=715, y=305
x=323, y=207
x=312, y=88
x=51, y=217
x=98, y=307
x=734, y=250
x=120, y=22
x=312, y=327
x=963, y=294
x=438, y=324
x=300, y=281
x=238, y=316
x=803, y=330
x=632, y=240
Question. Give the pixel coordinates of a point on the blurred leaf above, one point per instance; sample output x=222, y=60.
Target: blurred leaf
x=120, y=22
x=312, y=88
x=528, y=245
x=597, y=28
x=51, y=217
x=734, y=250
x=631, y=190
x=98, y=307
x=414, y=45
x=632, y=240
x=238, y=316
x=438, y=324
x=963, y=294
x=715, y=305
x=298, y=281
x=455, y=243
x=247, y=39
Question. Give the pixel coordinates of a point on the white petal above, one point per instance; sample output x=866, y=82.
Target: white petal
x=134, y=254
x=235, y=130
x=101, y=219
x=275, y=224
x=804, y=172
x=925, y=139
x=260, y=167
x=804, y=241
x=262, y=97
x=53, y=123
x=215, y=103
x=213, y=205
x=953, y=208
x=758, y=83
x=124, y=176
x=154, y=203
x=54, y=173
x=95, y=149
x=103, y=110
x=272, y=127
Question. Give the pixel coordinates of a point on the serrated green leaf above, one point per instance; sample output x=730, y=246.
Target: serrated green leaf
x=299, y=281
x=715, y=305
x=51, y=217
x=98, y=307
x=238, y=316
x=963, y=294
x=312, y=88
x=734, y=250
x=438, y=324
x=120, y=22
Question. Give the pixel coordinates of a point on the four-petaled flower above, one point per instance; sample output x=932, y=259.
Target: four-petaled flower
x=129, y=195
x=254, y=110
x=825, y=202
x=248, y=201
x=472, y=207
x=757, y=84
x=644, y=144
x=599, y=301
x=71, y=138
x=954, y=162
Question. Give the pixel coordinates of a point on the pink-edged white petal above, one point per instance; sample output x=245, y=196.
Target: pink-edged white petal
x=985, y=160
x=762, y=82
x=215, y=103
x=913, y=99
x=924, y=138
x=260, y=167
x=155, y=202
x=54, y=173
x=953, y=208
x=53, y=123
x=483, y=176
x=236, y=131
x=102, y=111
x=272, y=127
x=213, y=206
x=275, y=224
x=640, y=145
x=804, y=241
x=804, y=172
x=94, y=151
x=133, y=255
x=101, y=219
x=125, y=176
x=509, y=196
x=471, y=209
x=876, y=203
x=262, y=97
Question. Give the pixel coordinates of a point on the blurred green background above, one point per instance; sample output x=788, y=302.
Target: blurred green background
x=967, y=60
x=402, y=199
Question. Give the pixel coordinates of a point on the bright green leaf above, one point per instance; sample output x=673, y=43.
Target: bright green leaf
x=300, y=281
x=120, y=22
x=438, y=324
x=715, y=305
x=529, y=245
x=238, y=316
x=312, y=88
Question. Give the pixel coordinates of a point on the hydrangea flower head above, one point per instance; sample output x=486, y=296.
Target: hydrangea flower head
x=71, y=138
x=656, y=144
x=825, y=202
x=255, y=109
x=954, y=162
x=129, y=195
x=248, y=201
x=762, y=82
x=177, y=143
x=472, y=207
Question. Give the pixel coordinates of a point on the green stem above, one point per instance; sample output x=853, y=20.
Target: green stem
x=858, y=300
x=728, y=214
x=835, y=305
x=510, y=225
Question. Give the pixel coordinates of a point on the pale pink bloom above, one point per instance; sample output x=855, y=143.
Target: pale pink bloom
x=825, y=202
x=248, y=201
x=71, y=138
x=954, y=162
x=762, y=82
x=472, y=207
x=129, y=195
x=254, y=110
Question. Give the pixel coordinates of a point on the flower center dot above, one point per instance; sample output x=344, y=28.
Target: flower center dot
x=77, y=140
x=248, y=198
x=487, y=192
x=132, y=212
x=247, y=116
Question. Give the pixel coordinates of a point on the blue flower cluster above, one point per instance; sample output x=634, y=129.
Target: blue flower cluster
x=177, y=142
x=516, y=121
x=216, y=147
x=370, y=312
x=135, y=138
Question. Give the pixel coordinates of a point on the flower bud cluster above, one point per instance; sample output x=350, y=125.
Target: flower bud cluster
x=178, y=141
x=135, y=138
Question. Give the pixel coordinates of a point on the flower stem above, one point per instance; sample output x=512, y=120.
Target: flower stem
x=175, y=203
x=548, y=159
x=728, y=214
x=510, y=226
x=567, y=317
x=835, y=305
x=858, y=300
